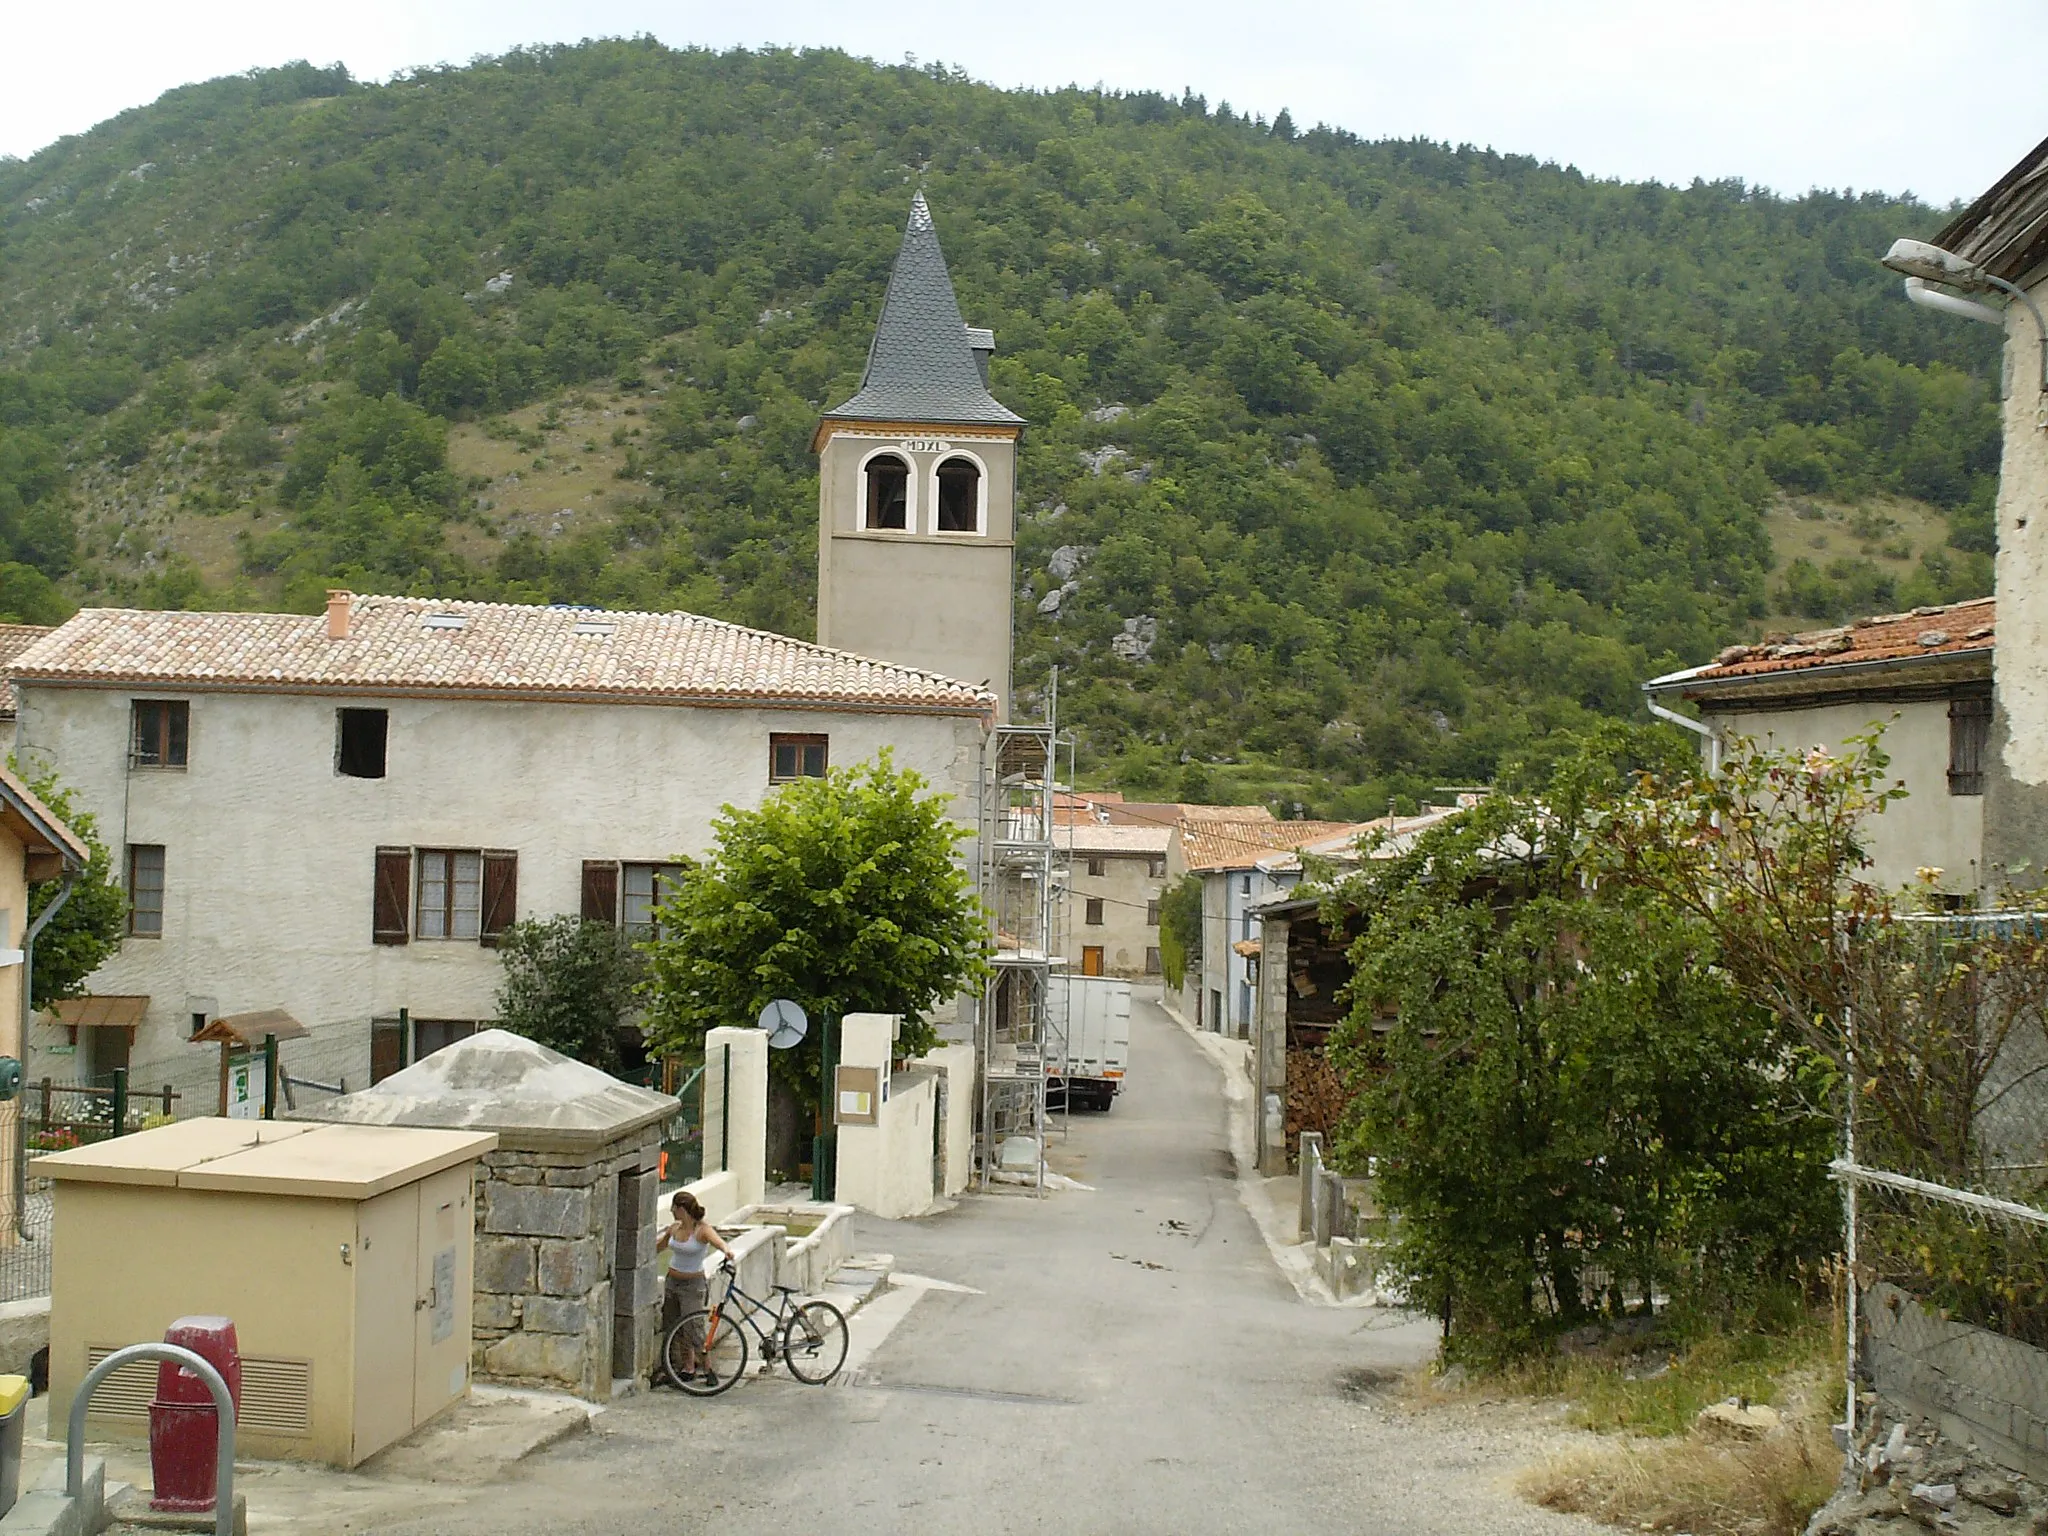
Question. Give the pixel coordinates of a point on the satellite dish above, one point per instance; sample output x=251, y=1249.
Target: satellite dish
x=785, y=1023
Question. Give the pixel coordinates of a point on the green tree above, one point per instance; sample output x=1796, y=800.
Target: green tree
x=570, y=984
x=90, y=925
x=844, y=894
x=1180, y=929
x=1555, y=1080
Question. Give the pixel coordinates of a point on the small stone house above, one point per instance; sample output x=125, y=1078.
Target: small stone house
x=568, y=1293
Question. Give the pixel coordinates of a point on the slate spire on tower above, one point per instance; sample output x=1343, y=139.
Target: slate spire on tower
x=922, y=365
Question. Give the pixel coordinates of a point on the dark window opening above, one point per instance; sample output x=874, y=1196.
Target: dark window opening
x=1969, y=741
x=1153, y=964
x=146, y=890
x=359, y=742
x=959, y=497
x=162, y=729
x=1094, y=913
x=1151, y=914
x=387, y=1048
x=1095, y=867
x=430, y=1035
x=198, y=1022
x=888, y=493
x=796, y=757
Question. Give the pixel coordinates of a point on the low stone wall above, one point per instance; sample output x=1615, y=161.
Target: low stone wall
x=24, y=1331
x=807, y=1262
x=1980, y=1388
x=550, y=1294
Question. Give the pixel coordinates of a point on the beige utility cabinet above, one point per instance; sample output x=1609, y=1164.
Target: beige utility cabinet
x=343, y=1254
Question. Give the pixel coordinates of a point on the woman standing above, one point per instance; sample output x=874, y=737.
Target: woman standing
x=688, y=1243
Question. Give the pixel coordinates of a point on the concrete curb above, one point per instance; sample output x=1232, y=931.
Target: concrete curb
x=1232, y=1059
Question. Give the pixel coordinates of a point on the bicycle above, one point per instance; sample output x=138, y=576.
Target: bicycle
x=809, y=1338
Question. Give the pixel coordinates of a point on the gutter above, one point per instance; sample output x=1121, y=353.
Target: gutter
x=1673, y=682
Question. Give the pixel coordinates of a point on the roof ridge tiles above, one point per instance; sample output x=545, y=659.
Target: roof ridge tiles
x=507, y=648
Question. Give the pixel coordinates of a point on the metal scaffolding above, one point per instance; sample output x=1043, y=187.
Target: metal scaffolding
x=1023, y=879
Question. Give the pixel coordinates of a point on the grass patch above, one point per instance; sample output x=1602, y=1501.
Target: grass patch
x=1767, y=1488
x=1657, y=1389
x=1658, y=1472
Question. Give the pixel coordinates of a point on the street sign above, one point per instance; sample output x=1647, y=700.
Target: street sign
x=785, y=1023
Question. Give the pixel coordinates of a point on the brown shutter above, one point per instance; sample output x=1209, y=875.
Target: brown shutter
x=501, y=896
x=600, y=891
x=388, y=924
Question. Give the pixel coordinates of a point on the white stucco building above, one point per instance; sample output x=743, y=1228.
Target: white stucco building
x=2002, y=238
x=334, y=814
x=1924, y=677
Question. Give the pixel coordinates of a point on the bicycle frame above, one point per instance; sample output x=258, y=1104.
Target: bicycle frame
x=754, y=1310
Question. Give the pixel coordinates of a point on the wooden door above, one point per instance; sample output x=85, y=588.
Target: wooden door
x=384, y=1264
x=1091, y=960
x=446, y=1252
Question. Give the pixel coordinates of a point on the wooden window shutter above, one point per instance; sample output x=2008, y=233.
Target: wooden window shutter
x=500, y=897
x=389, y=924
x=601, y=891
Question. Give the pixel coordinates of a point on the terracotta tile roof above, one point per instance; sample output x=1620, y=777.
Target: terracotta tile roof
x=1210, y=844
x=417, y=644
x=14, y=639
x=1129, y=841
x=1954, y=629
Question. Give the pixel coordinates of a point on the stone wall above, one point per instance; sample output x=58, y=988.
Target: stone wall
x=1978, y=1387
x=555, y=1307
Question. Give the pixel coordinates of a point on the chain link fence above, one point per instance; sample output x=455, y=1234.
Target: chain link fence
x=1944, y=1170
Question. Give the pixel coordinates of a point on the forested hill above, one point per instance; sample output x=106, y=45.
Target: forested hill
x=1354, y=466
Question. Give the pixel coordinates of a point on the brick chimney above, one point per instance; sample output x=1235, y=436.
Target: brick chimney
x=338, y=600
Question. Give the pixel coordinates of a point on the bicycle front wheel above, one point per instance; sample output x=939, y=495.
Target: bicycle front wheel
x=814, y=1342
x=712, y=1347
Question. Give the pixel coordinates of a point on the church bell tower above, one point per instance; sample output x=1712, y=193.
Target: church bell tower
x=917, y=488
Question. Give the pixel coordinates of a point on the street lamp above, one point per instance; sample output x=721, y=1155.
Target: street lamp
x=1922, y=264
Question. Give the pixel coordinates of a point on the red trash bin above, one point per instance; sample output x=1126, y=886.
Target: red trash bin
x=184, y=1429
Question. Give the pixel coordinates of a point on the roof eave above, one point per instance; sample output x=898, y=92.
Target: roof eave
x=979, y=704
x=1693, y=683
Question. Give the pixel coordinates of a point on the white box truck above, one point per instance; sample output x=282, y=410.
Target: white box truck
x=1088, y=1071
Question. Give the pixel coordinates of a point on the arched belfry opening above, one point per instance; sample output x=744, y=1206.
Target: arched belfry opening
x=888, y=493
x=959, y=498
x=917, y=487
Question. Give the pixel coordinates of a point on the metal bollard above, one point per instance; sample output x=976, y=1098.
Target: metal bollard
x=74, y=1441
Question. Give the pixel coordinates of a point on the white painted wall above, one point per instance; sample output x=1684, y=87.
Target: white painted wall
x=954, y=1065
x=1930, y=827
x=740, y=1149
x=270, y=853
x=886, y=1168
x=1227, y=899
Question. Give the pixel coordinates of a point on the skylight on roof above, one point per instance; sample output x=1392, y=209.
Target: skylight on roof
x=445, y=621
x=593, y=627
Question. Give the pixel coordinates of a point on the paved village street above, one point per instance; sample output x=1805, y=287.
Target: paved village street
x=1127, y=1360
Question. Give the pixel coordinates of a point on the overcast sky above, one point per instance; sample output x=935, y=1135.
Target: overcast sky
x=1889, y=94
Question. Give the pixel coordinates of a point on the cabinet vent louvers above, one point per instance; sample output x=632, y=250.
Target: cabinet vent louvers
x=277, y=1395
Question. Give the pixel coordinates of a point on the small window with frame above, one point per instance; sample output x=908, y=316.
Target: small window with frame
x=146, y=890
x=797, y=757
x=160, y=733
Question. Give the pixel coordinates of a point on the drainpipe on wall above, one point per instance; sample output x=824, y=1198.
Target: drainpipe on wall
x=1704, y=732
x=28, y=970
